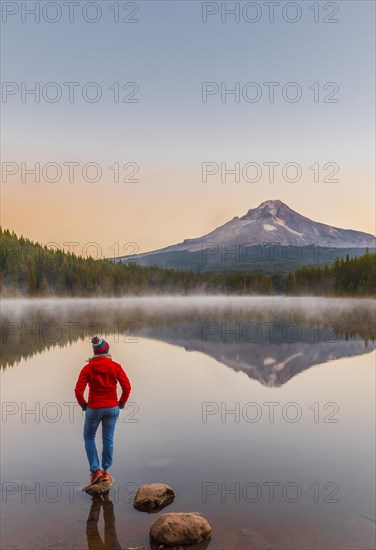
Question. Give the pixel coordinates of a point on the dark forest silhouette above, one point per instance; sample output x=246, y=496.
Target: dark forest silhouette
x=30, y=269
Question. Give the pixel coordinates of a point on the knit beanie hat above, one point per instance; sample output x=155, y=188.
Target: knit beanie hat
x=99, y=345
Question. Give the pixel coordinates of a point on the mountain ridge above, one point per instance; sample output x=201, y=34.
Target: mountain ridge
x=272, y=222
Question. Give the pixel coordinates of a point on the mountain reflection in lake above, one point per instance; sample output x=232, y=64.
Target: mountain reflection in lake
x=272, y=459
x=271, y=339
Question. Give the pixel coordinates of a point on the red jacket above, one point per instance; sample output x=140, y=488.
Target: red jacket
x=102, y=375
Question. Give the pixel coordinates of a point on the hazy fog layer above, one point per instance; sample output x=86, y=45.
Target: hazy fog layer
x=195, y=303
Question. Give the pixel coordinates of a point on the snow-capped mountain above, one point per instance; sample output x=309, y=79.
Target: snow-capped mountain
x=271, y=222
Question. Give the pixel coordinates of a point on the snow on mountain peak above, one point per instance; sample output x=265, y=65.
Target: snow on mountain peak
x=270, y=207
x=272, y=204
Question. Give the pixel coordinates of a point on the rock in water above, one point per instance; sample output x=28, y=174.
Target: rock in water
x=153, y=497
x=180, y=529
x=98, y=488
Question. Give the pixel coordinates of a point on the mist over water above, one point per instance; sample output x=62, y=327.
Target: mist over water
x=32, y=325
x=232, y=396
x=199, y=301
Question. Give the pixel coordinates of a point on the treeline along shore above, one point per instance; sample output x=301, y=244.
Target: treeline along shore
x=31, y=270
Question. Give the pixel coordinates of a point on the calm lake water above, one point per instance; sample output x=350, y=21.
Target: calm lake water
x=259, y=412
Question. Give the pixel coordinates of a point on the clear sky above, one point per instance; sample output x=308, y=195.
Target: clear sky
x=326, y=49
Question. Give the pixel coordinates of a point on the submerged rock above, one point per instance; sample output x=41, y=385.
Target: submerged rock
x=153, y=497
x=99, y=487
x=180, y=529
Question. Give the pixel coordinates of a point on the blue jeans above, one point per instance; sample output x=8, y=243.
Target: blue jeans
x=93, y=417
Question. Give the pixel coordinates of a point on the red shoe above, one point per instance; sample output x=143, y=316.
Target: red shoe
x=105, y=476
x=95, y=476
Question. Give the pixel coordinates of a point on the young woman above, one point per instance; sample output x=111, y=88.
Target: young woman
x=102, y=374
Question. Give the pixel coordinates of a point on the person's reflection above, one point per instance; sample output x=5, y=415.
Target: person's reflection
x=94, y=540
